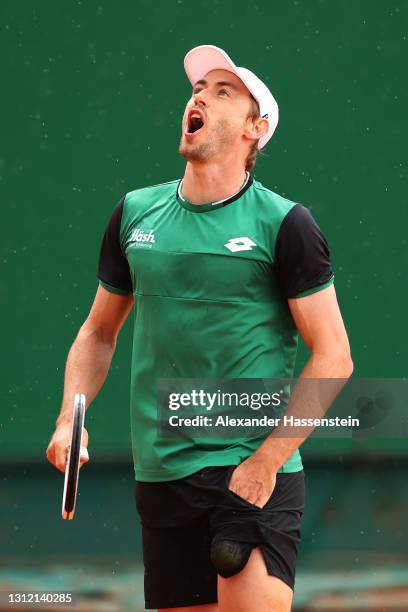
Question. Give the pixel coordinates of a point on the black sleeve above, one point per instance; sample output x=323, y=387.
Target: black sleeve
x=113, y=266
x=301, y=254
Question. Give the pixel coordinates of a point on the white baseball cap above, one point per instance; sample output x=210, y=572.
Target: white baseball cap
x=204, y=58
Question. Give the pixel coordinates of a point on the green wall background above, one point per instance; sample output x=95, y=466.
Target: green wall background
x=92, y=95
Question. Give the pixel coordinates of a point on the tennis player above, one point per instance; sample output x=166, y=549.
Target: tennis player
x=223, y=274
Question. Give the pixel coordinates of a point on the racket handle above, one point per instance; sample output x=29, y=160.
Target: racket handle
x=80, y=398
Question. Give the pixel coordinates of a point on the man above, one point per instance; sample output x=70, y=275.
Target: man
x=223, y=274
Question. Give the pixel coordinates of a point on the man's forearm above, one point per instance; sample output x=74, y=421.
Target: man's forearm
x=307, y=400
x=87, y=366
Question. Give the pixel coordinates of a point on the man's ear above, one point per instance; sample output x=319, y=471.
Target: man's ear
x=255, y=128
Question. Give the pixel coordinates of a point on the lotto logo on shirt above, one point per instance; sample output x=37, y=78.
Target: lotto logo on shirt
x=142, y=238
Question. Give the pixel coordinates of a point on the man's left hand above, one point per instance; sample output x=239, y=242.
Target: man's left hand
x=253, y=480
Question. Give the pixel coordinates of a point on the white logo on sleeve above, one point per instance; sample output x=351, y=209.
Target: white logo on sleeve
x=240, y=244
x=142, y=238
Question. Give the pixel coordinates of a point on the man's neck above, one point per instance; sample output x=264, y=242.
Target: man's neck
x=204, y=183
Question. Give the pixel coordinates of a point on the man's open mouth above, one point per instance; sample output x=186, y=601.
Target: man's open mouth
x=195, y=121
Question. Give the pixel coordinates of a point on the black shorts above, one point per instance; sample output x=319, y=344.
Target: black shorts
x=181, y=518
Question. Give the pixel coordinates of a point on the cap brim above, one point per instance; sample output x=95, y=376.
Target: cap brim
x=204, y=58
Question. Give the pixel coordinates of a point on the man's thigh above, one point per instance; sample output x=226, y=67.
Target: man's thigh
x=253, y=589
x=239, y=527
x=255, y=552
x=178, y=570
x=176, y=546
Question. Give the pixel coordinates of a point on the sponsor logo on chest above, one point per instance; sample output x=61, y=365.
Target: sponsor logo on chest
x=141, y=237
x=243, y=243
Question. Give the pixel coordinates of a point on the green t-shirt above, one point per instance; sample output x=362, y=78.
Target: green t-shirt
x=211, y=283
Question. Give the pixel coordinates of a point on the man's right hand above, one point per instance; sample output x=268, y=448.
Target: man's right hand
x=57, y=450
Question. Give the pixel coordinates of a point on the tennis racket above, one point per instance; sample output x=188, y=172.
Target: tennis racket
x=73, y=460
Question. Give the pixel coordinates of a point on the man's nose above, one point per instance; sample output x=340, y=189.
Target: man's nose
x=200, y=98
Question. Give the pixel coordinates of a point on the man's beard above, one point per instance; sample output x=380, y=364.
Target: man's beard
x=219, y=139
x=198, y=153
